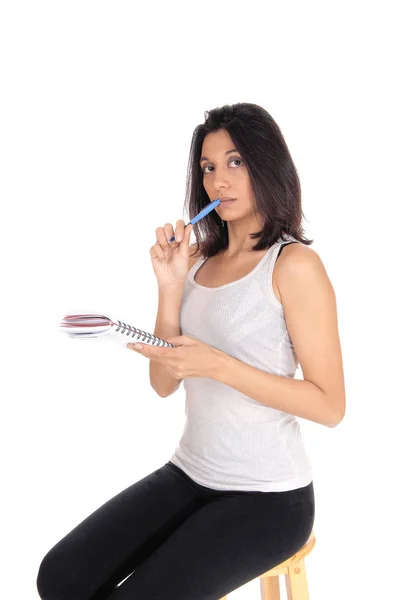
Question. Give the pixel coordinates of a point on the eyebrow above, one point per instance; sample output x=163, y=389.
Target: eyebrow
x=227, y=152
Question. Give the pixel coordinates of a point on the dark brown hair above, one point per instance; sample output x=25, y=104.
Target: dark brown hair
x=272, y=173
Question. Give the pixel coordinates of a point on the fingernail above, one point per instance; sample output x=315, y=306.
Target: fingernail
x=178, y=237
x=138, y=346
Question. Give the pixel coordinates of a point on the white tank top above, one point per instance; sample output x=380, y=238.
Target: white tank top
x=231, y=441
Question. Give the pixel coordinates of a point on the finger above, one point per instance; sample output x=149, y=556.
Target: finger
x=155, y=352
x=187, y=234
x=184, y=246
x=188, y=231
x=180, y=231
x=161, y=235
x=140, y=349
x=156, y=252
x=168, y=232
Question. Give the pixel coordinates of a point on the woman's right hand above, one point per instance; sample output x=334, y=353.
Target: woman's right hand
x=170, y=260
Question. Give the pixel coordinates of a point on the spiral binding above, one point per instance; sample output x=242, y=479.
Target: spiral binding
x=144, y=336
x=119, y=327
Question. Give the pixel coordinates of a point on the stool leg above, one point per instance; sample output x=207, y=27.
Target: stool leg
x=296, y=582
x=270, y=589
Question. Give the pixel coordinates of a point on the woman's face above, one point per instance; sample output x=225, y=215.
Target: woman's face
x=225, y=174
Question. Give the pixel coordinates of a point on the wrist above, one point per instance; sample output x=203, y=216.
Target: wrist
x=171, y=290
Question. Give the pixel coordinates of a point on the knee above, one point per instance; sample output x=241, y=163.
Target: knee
x=51, y=579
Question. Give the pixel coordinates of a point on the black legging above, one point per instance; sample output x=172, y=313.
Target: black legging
x=177, y=540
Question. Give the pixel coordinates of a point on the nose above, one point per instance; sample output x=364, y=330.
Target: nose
x=221, y=184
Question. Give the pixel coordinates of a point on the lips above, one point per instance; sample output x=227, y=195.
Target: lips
x=226, y=199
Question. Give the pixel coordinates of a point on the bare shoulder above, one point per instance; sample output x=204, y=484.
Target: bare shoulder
x=301, y=262
x=193, y=258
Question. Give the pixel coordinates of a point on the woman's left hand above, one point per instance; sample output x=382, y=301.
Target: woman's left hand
x=190, y=358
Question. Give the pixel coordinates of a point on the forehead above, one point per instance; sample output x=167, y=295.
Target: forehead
x=216, y=141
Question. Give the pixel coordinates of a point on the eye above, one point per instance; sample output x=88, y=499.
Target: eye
x=233, y=160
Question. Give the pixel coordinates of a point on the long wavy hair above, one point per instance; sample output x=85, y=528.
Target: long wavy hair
x=272, y=173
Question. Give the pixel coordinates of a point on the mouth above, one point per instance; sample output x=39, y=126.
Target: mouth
x=227, y=199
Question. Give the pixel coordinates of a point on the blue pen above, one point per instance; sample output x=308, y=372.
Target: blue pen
x=202, y=214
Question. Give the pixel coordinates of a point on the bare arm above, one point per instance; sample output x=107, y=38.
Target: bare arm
x=168, y=326
x=310, y=311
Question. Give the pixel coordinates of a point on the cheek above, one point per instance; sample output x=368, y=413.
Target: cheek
x=243, y=180
x=206, y=184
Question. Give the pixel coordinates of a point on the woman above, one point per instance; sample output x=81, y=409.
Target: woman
x=236, y=498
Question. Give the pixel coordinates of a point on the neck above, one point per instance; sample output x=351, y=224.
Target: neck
x=239, y=241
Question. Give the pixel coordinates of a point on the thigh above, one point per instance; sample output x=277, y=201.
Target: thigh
x=110, y=543
x=228, y=542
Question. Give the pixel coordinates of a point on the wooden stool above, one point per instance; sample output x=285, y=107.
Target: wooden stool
x=295, y=576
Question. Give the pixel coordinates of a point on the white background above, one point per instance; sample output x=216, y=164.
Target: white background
x=98, y=105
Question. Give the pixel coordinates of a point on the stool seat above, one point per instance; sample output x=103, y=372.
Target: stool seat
x=295, y=576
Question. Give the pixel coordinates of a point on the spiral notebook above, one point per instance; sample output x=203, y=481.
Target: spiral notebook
x=87, y=326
